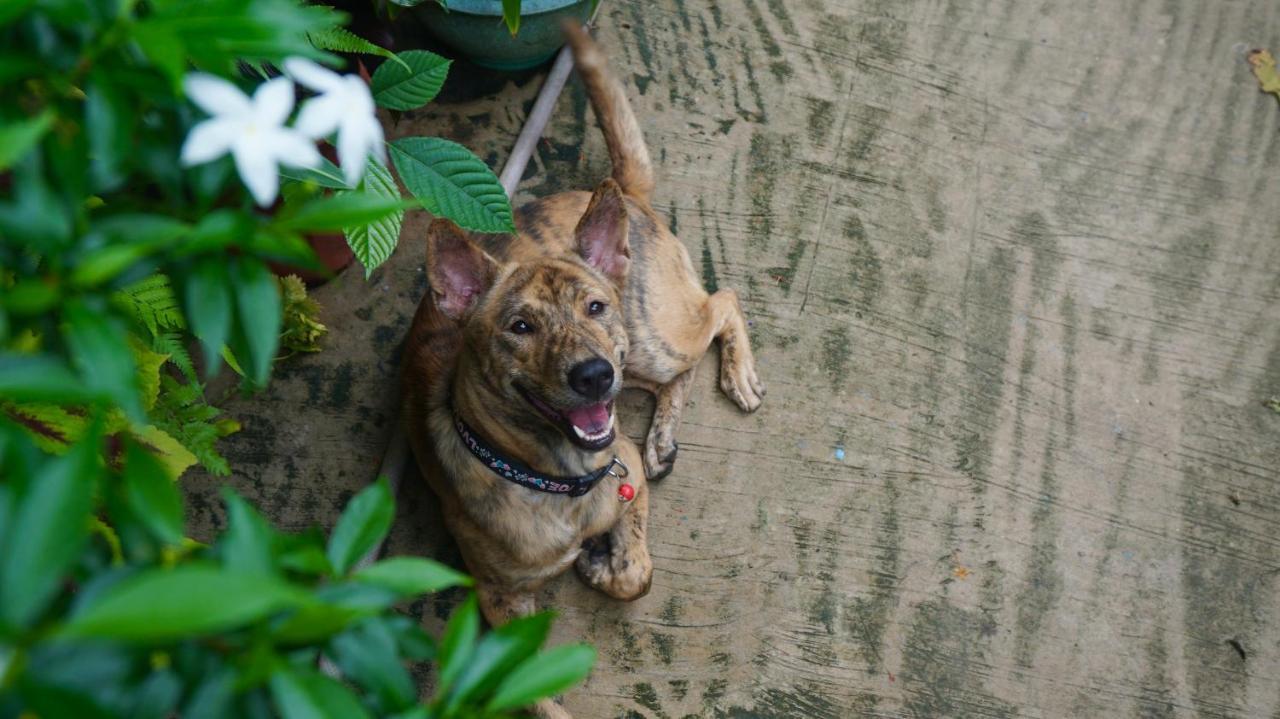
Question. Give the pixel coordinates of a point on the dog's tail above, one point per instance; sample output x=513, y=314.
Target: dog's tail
x=631, y=166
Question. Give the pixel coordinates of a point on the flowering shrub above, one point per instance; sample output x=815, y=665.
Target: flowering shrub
x=151, y=164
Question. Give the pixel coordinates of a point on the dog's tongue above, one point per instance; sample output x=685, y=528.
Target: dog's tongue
x=592, y=419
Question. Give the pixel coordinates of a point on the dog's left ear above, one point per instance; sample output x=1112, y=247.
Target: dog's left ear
x=601, y=235
x=458, y=271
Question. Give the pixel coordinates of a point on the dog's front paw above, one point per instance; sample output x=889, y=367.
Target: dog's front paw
x=620, y=574
x=660, y=451
x=738, y=380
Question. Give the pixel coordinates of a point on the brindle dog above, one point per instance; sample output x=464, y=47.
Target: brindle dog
x=525, y=337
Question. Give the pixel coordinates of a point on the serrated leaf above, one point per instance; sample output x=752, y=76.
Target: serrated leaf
x=339, y=39
x=412, y=83
x=51, y=427
x=451, y=182
x=172, y=454
x=149, y=364
x=374, y=242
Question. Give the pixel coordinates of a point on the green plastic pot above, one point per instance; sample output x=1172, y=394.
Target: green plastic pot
x=475, y=29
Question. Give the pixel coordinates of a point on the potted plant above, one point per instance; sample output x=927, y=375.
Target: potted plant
x=500, y=34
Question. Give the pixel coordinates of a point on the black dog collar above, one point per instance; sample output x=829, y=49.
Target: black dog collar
x=523, y=475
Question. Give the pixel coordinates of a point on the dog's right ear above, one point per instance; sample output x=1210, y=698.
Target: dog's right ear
x=459, y=272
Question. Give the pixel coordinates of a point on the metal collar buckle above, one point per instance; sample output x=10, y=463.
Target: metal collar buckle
x=615, y=462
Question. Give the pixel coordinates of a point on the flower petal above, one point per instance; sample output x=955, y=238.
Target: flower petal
x=215, y=95
x=290, y=147
x=209, y=140
x=356, y=139
x=312, y=74
x=320, y=115
x=273, y=101
x=359, y=97
x=257, y=168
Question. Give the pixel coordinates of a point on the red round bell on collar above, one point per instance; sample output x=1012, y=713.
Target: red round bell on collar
x=626, y=492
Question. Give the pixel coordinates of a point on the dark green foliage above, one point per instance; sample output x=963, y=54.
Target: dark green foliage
x=115, y=260
x=135, y=621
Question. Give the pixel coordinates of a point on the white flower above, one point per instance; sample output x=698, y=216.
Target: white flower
x=344, y=104
x=252, y=130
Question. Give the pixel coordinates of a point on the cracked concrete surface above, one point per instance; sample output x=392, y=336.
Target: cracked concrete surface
x=1014, y=279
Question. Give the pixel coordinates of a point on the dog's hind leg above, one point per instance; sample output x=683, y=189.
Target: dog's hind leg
x=738, y=378
x=617, y=563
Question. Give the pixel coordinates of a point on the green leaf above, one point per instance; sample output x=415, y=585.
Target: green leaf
x=511, y=15
x=543, y=675
x=317, y=623
x=171, y=453
x=340, y=39
x=36, y=217
x=100, y=351
x=451, y=182
x=346, y=209
x=209, y=308
x=36, y=378
x=306, y=559
x=246, y=545
x=258, y=307
x=374, y=242
x=303, y=694
x=107, y=120
x=500, y=651
x=412, y=576
x=49, y=426
x=18, y=137
x=459, y=643
x=367, y=655
x=412, y=83
x=164, y=48
x=362, y=526
x=49, y=526
x=152, y=495
x=196, y=599
x=326, y=175
x=414, y=643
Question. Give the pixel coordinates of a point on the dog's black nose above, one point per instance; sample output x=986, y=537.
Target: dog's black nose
x=591, y=379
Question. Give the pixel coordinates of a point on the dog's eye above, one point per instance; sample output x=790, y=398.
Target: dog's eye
x=521, y=327
x=595, y=308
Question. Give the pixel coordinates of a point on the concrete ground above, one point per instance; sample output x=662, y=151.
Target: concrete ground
x=1015, y=282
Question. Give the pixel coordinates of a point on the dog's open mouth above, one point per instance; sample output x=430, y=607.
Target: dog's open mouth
x=589, y=426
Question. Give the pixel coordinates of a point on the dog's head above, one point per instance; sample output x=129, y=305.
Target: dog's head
x=548, y=335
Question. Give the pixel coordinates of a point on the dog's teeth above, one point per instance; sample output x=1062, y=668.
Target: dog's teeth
x=581, y=434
